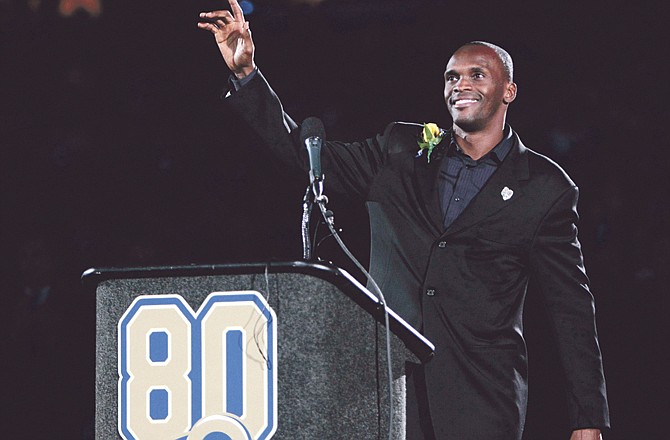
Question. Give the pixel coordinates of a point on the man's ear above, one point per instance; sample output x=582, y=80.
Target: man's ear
x=510, y=93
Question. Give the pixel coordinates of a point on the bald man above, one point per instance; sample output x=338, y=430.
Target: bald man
x=457, y=232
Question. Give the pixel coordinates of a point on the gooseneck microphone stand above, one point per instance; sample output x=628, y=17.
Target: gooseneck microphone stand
x=314, y=194
x=315, y=188
x=307, y=205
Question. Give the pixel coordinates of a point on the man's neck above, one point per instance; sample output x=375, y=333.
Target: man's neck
x=478, y=144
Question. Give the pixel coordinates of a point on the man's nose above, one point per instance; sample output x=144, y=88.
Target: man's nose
x=463, y=83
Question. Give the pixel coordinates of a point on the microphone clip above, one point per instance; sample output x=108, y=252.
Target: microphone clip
x=317, y=185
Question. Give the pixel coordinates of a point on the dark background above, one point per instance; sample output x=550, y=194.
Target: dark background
x=116, y=150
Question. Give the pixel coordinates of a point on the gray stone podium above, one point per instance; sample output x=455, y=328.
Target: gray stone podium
x=330, y=361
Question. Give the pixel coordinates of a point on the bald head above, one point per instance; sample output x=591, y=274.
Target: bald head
x=503, y=56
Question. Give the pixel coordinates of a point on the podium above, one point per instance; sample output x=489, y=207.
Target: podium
x=282, y=350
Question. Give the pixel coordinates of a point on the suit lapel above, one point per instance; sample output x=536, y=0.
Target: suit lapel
x=501, y=190
x=425, y=180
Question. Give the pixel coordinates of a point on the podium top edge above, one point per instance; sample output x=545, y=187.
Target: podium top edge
x=415, y=341
x=94, y=276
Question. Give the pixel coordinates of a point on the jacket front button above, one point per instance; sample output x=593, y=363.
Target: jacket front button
x=442, y=244
x=430, y=292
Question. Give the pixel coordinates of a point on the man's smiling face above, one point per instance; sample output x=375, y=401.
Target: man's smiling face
x=477, y=89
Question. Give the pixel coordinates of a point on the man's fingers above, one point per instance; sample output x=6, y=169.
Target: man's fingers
x=208, y=27
x=229, y=31
x=237, y=10
x=215, y=20
x=220, y=32
x=213, y=16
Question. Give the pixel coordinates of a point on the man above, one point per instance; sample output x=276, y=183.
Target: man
x=456, y=235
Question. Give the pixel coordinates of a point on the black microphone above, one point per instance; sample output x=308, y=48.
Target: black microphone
x=312, y=135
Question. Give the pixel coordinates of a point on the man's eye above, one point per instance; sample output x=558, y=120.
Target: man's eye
x=451, y=78
x=478, y=75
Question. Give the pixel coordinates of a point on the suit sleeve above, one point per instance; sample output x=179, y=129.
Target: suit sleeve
x=558, y=267
x=348, y=167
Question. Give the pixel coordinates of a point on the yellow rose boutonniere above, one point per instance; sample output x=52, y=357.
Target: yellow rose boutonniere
x=430, y=136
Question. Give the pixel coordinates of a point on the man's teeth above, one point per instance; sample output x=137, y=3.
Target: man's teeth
x=465, y=101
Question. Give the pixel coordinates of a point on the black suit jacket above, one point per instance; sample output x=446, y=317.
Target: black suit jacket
x=464, y=287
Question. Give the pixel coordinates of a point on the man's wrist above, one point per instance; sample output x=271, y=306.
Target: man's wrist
x=237, y=83
x=245, y=71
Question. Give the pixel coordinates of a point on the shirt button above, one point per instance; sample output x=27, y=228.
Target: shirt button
x=442, y=244
x=430, y=292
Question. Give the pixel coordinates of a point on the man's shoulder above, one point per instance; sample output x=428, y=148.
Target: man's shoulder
x=543, y=168
x=402, y=126
x=402, y=137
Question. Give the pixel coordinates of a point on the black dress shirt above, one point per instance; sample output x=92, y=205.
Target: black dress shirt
x=461, y=178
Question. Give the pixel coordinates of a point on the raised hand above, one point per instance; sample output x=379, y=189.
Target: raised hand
x=586, y=434
x=233, y=36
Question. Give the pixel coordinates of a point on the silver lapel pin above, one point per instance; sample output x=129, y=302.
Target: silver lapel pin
x=506, y=193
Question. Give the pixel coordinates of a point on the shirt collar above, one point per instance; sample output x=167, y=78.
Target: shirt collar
x=497, y=154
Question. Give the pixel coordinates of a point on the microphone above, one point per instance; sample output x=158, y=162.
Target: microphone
x=312, y=135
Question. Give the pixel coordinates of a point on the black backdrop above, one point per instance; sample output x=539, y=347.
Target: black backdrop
x=116, y=150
